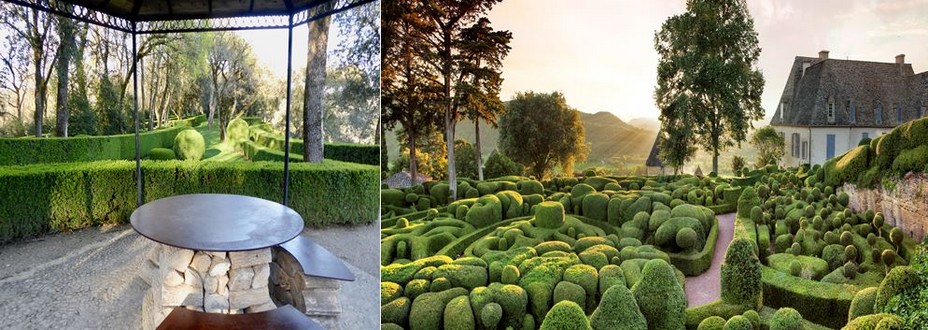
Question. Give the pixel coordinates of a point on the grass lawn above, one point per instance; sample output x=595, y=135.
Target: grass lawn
x=216, y=149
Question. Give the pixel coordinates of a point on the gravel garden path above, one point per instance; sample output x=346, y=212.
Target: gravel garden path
x=703, y=289
x=89, y=279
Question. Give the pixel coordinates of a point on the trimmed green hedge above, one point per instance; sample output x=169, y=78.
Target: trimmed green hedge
x=823, y=303
x=67, y=196
x=346, y=152
x=692, y=264
x=31, y=150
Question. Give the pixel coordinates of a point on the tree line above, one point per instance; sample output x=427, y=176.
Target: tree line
x=84, y=73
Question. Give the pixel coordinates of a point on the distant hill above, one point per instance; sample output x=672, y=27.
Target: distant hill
x=649, y=124
x=607, y=135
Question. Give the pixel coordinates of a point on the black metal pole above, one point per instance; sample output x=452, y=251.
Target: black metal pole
x=287, y=128
x=135, y=98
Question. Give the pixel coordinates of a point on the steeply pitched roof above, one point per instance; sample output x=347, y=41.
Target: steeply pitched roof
x=653, y=159
x=859, y=90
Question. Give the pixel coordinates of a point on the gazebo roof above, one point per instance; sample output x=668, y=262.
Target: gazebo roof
x=163, y=16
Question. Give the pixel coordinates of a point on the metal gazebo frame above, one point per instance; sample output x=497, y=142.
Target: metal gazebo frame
x=167, y=16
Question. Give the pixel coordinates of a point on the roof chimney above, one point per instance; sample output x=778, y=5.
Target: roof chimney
x=823, y=55
x=900, y=59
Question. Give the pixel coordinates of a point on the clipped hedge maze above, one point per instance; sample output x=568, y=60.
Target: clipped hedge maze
x=567, y=253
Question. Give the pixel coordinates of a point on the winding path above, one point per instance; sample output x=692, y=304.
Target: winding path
x=703, y=289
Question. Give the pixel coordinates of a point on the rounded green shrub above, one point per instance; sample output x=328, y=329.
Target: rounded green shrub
x=862, y=304
x=161, y=154
x=459, y=315
x=428, y=309
x=396, y=311
x=549, y=215
x=712, y=323
x=686, y=238
x=510, y=275
x=752, y=316
x=795, y=268
x=389, y=291
x=850, y=253
x=741, y=274
x=569, y=291
x=490, y=315
x=618, y=310
x=898, y=280
x=565, y=315
x=850, y=270
x=786, y=319
x=880, y=321
x=585, y=276
x=661, y=297
x=189, y=145
x=609, y=276
x=237, y=131
x=738, y=322
x=888, y=257
x=440, y=284
x=416, y=287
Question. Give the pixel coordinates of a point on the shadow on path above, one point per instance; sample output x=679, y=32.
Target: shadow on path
x=703, y=289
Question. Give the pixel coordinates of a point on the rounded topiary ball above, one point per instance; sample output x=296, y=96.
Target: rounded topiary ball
x=490, y=315
x=712, y=323
x=686, y=238
x=237, y=131
x=738, y=322
x=752, y=316
x=786, y=319
x=850, y=270
x=549, y=215
x=850, y=253
x=795, y=268
x=565, y=315
x=189, y=145
x=161, y=154
x=847, y=238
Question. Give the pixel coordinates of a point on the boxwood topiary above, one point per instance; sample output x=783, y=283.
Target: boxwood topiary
x=569, y=291
x=459, y=315
x=490, y=315
x=738, y=322
x=752, y=316
x=610, y=275
x=747, y=201
x=389, y=291
x=712, y=323
x=428, y=309
x=741, y=275
x=189, y=145
x=786, y=319
x=595, y=206
x=898, y=280
x=396, y=311
x=618, y=310
x=161, y=154
x=549, y=215
x=863, y=303
x=661, y=298
x=565, y=315
x=881, y=321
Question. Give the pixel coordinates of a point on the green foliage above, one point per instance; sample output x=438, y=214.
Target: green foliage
x=465, y=159
x=540, y=131
x=390, y=291
x=786, y=319
x=498, y=165
x=346, y=152
x=161, y=154
x=67, y=196
x=747, y=201
x=459, y=315
x=237, y=131
x=769, y=144
x=569, y=291
x=897, y=281
x=396, y=311
x=618, y=310
x=738, y=322
x=189, y=145
x=712, y=323
x=741, y=274
x=490, y=315
x=753, y=317
x=661, y=297
x=428, y=309
x=862, y=304
x=880, y=321
x=565, y=315
x=28, y=150
x=549, y=215
x=737, y=163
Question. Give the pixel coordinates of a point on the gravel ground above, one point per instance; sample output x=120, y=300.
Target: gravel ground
x=703, y=289
x=89, y=279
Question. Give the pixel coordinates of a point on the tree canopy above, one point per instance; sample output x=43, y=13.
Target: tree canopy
x=708, y=84
x=770, y=146
x=540, y=131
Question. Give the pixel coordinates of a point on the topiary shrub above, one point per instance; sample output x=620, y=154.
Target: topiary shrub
x=459, y=315
x=490, y=315
x=898, y=280
x=586, y=277
x=747, y=201
x=862, y=304
x=389, y=291
x=618, y=310
x=396, y=311
x=161, y=154
x=712, y=323
x=569, y=291
x=428, y=309
x=661, y=297
x=752, y=316
x=486, y=211
x=237, y=131
x=510, y=275
x=911, y=160
x=881, y=321
x=595, y=206
x=786, y=319
x=549, y=215
x=609, y=276
x=741, y=274
x=189, y=145
x=565, y=315
x=738, y=322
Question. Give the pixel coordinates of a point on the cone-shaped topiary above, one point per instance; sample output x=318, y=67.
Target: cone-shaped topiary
x=618, y=310
x=189, y=145
x=741, y=275
x=660, y=297
x=565, y=315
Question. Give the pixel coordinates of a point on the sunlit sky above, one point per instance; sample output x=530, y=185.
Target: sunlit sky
x=600, y=53
x=270, y=47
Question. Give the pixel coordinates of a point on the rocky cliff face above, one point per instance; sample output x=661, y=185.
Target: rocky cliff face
x=905, y=206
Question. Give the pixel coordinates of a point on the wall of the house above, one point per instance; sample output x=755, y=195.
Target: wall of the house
x=816, y=138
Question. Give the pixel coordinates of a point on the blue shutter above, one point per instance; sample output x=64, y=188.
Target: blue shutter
x=830, y=146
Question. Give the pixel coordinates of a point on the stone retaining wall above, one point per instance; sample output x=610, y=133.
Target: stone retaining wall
x=905, y=206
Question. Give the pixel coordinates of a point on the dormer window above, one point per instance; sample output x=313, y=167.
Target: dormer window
x=851, y=111
x=783, y=109
x=878, y=113
x=830, y=109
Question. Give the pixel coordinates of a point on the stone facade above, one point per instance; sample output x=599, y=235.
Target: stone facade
x=905, y=206
x=233, y=283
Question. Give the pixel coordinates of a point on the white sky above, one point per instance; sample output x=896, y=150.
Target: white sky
x=600, y=53
x=270, y=47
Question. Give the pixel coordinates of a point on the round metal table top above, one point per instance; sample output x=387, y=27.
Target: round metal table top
x=216, y=222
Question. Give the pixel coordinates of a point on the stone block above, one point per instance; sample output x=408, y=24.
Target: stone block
x=192, y=278
x=211, y=284
x=250, y=258
x=313, y=282
x=277, y=276
x=175, y=258
x=246, y=298
x=321, y=301
x=260, y=308
x=241, y=278
x=219, y=267
x=262, y=273
x=215, y=303
x=224, y=284
x=172, y=278
x=181, y=295
x=200, y=262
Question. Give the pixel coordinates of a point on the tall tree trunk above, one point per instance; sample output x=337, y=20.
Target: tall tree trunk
x=39, y=91
x=66, y=50
x=479, y=153
x=315, y=86
x=413, y=162
x=449, y=121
